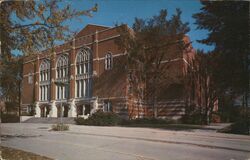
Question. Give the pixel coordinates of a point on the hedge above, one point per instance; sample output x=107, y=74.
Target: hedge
x=9, y=118
x=100, y=118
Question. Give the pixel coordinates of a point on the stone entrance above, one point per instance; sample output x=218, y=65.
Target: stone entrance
x=44, y=110
x=63, y=110
x=84, y=110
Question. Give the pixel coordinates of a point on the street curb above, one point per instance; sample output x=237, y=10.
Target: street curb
x=160, y=141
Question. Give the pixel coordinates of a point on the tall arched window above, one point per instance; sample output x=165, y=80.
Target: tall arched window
x=62, y=75
x=108, y=61
x=44, y=78
x=83, y=74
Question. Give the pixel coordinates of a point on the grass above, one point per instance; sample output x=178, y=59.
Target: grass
x=111, y=119
x=14, y=154
x=239, y=127
x=9, y=118
x=176, y=127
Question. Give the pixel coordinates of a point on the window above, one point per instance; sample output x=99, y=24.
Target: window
x=30, y=78
x=62, y=75
x=108, y=61
x=107, y=106
x=83, y=74
x=44, y=78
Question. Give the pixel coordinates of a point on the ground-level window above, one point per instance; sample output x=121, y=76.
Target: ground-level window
x=107, y=106
x=30, y=110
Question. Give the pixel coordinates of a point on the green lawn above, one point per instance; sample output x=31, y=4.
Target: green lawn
x=14, y=154
x=167, y=126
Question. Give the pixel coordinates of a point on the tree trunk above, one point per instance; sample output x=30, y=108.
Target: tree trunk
x=19, y=99
x=155, y=108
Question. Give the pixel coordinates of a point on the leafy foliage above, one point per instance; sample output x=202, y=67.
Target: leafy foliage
x=139, y=121
x=192, y=115
x=239, y=127
x=10, y=81
x=60, y=127
x=100, y=118
x=228, y=26
x=201, y=81
x=149, y=43
x=32, y=25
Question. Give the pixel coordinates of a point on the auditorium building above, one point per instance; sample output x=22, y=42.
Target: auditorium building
x=89, y=73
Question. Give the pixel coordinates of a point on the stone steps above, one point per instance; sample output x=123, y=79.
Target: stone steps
x=50, y=120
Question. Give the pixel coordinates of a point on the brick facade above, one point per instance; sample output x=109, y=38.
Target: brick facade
x=107, y=88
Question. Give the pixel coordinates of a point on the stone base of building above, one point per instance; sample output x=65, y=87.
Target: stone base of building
x=63, y=108
x=123, y=107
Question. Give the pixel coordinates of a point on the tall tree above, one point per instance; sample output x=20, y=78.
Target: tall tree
x=202, y=85
x=31, y=26
x=228, y=26
x=150, y=43
x=10, y=79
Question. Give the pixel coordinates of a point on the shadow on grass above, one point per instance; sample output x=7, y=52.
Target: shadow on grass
x=14, y=154
x=5, y=137
x=175, y=127
x=240, y=127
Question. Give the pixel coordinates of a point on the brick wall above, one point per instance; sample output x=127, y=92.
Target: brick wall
x=108, y=85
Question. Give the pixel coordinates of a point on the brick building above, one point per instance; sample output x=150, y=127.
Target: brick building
x=89, y=73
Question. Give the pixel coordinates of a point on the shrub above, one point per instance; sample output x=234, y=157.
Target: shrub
x=79, y=120
x=9, y=118
x=194, y=118
x=193, y=115
x=240, y=127
x=100, y=118
x=60, y=127
x=146, y=121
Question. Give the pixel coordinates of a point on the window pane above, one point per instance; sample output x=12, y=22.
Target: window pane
x=77, y=88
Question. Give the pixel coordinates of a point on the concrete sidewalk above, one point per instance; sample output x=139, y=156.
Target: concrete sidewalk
x=204, y=139
x=195, y=137
x=112, y=143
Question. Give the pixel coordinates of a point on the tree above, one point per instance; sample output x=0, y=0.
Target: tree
x=203, y=88
x=31, y=26
x=149, y=44
x=10, y=82
x=228, y=26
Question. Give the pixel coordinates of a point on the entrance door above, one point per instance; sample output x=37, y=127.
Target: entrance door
x=59, y=111
x=47, y=111
x=79, y=110
x=87, y=109
x=65, y=111
x=42, y=111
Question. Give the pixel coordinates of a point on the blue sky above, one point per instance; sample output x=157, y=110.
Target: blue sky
x=111, y=12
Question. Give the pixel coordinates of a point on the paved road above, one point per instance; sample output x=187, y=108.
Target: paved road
x=120, y=143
